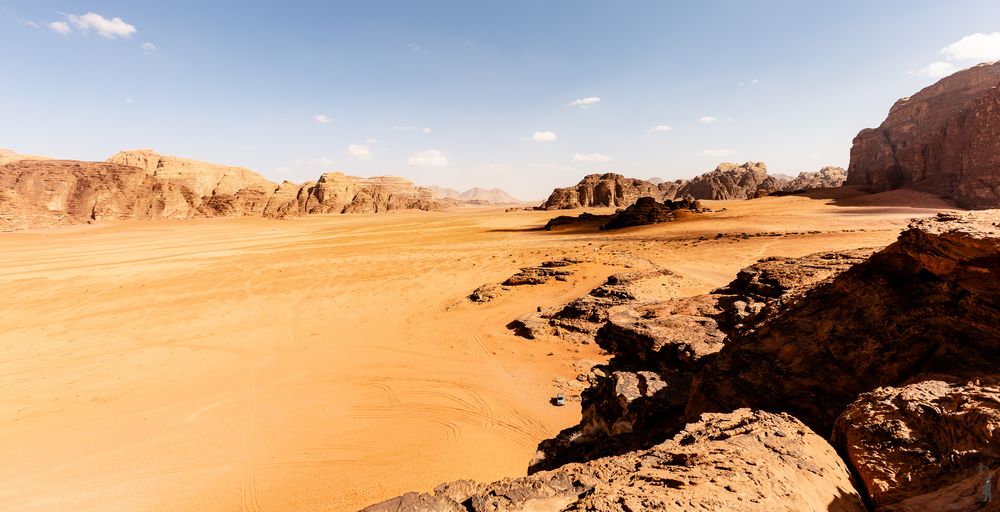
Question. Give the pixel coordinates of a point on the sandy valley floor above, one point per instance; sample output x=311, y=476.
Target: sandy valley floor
x=326, y=362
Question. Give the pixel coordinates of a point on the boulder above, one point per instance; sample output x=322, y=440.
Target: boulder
x=922, y=438
x=607, y=190
x=740, y=461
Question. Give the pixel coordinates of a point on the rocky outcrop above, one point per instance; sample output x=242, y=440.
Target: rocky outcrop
x=43, y=193
x=927, y=303
x=727, y=181
x=665, y=342
x=827, y=177
x=922, y=438
x=738, y=461
x=608, y=190
x=942, y=140
x=39, y=193
x=647, y=210
x=203, y=178
x=732, y=181
x=644, y=211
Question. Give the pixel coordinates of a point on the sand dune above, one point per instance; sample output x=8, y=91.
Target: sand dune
x=326, y=362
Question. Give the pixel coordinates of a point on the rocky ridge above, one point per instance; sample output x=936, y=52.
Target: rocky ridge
x=145, y=185
x=891, y=355
x=726, y=181
x=942, y=139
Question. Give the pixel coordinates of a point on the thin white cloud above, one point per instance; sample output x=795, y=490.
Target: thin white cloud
x=585, y=102
x=546, y=136
x=660, y=128
x=60, y=27
x=322, y=119
x=359, y=151
x=31, y=24
x=425, y=130
x=417, y=49
x=718, y=152
x=110, y=29
x=707, y=119
x=428, y=158
x=754, y=81
x=591, y=157
x=148, y=48
x=938, y=69
x=371, y=140
x=978, y=47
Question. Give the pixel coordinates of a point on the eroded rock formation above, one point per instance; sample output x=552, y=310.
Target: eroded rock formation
x=917, y=440
x=732, y=181
x=608, y=190
x=742, y=460
x=39, y=193
x=927, y=303
x=827, y=177
x=727, y=181
x=942, y=140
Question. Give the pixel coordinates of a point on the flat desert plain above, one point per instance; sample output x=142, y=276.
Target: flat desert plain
x=326, y=362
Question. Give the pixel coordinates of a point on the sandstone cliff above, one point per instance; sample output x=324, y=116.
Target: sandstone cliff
x=602, y=190
x=827, y=177
x=203, y=178
x=731, y=181
x=942, y=140
x=487, y=196
x=42, y=193
x=727, y=181
x=145, y=185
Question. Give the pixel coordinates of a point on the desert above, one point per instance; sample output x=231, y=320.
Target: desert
x=446, y=256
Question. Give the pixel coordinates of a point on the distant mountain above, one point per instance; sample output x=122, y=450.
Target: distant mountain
x=492, y=196
x=444, y=192
x=474, y=195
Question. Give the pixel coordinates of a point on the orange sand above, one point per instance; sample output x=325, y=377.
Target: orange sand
x=326, y=362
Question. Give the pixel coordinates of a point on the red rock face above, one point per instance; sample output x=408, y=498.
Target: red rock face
x=945, y=139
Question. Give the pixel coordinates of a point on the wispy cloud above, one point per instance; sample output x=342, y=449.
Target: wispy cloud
x=546, y=136
x=591, y=157
x=425, y=130
x=322, y=119
x=707, y=119
x=114, y=28
x=60, y=27
x=428, y=158
x=417, y=48
x=978, y=47
x=971, y=49
x=585, y=102
x=149, y=48
x=660, y=128
x=359, y=151
x=718, y=152
x=371, y=140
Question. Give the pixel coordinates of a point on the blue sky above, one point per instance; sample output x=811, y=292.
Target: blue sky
x=453, y=92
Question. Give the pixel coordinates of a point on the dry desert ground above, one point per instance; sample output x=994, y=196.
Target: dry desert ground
x=330, y=361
